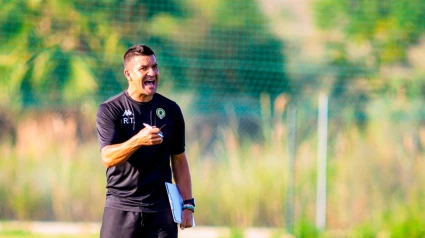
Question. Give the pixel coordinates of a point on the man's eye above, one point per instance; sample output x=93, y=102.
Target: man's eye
x=143, y=68
x=155, y=66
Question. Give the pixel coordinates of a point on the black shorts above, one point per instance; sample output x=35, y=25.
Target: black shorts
x=124, y=224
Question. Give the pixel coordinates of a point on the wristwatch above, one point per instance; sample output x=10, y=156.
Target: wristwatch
x=189, y=201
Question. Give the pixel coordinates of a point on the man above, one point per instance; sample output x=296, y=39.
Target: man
x=139, y=132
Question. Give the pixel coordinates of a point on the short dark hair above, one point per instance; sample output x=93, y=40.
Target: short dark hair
x=136, y=50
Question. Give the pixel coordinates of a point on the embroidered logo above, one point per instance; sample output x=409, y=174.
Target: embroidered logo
x=128, y=117
x=127, y=113
x=160, y=113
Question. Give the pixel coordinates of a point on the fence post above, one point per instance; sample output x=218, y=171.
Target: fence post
x=322, y=162
x=291, y=148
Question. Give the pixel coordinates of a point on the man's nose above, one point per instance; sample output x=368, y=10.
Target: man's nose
x=152, y=72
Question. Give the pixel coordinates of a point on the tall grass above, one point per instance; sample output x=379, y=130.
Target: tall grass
x=49, y=173
x=375, y=175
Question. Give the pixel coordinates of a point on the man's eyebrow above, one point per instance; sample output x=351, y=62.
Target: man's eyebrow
x=147, y=65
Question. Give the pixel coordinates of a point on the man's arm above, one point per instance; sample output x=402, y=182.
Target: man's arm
x=182, y=178
x=117, y=154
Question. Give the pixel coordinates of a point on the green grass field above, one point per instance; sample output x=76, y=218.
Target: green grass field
x=34, y=229
x=24, y=234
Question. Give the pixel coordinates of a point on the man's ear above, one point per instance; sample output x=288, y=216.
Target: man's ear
x=127, y=74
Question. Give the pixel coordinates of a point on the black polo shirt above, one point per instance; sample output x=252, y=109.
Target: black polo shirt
x=139, y=183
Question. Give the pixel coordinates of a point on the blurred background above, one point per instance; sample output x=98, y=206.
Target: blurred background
x=302, y=115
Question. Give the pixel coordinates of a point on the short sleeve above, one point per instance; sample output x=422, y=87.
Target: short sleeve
x=105, y=124
x=178, y=139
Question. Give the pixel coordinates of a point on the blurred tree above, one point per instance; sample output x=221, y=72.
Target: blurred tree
x=65, y=52
x=384, y=30
x=44, y=49
x=388, y=27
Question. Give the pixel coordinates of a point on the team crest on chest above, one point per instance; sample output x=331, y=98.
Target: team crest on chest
x=128, y=117
x=160, y=113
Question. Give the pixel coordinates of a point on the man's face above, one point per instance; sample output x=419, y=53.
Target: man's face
x=142, y=74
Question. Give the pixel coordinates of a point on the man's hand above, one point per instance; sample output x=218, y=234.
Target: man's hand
x=187, y=219
x=149, y=136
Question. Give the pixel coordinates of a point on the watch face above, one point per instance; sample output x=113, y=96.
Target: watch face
x=190, y=201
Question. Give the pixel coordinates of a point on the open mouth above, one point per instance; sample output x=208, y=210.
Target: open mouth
x=149, y=82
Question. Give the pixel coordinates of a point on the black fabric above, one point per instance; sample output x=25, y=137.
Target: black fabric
x=124, y=224
x=139, y=183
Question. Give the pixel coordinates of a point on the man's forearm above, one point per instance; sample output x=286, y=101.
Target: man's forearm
x=182, y=175
x=117, y=154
